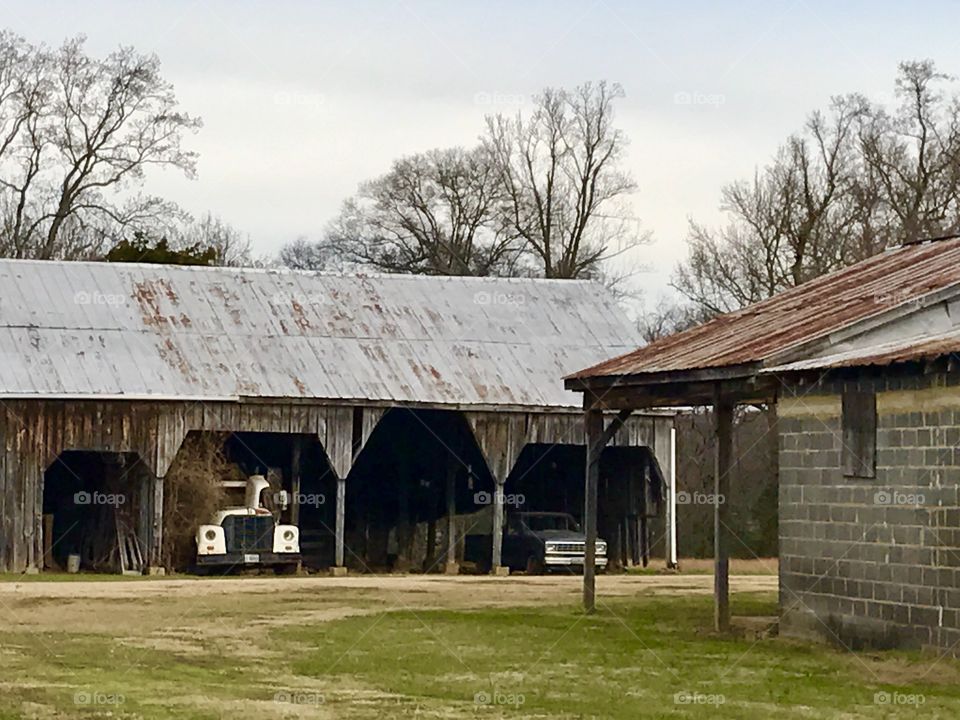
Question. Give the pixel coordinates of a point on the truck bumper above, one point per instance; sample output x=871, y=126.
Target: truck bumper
x=572, y=562
x=239, y=559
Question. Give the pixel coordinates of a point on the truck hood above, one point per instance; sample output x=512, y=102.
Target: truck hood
x=561, y=535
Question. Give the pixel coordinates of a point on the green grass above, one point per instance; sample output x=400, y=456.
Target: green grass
x=630, y=660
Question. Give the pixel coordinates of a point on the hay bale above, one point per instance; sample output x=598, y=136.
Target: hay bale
x=193, y=493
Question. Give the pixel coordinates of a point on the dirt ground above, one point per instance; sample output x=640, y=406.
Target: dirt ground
x=255, y=623
x=97, y=605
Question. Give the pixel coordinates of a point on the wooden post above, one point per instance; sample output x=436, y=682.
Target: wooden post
x=48, y=562
x=156, y=535
x=451, y=496
x=497, y=554
x=644, y=532
x=341, y=520
x=593, y=420
x=295, y=475
x=723, y=437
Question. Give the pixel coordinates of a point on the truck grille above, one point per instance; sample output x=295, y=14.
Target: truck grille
x=574, y=547
x=248, y=533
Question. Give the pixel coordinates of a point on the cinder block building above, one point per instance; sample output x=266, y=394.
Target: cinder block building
x=861, y=368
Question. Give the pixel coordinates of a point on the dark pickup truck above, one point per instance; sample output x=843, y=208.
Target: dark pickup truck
x=543, y=541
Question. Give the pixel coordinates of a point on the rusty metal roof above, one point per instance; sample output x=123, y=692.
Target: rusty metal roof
x=809, y=312
x=151, y=331
x=908, y=350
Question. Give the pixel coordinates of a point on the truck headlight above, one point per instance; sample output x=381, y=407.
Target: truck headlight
x=550, y=547
x=211, y=540
x=286, y=539
x=601, y=548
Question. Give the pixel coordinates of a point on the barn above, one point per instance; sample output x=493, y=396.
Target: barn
x=862, y=371
x=397, y=401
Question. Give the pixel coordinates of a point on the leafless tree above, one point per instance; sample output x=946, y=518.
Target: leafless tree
x=234, y=249
x=78, y=136
x=562, y=181
x=433, y=213
x=913, y=154
x=302, y=254
x=857, y=179
x=666, y=317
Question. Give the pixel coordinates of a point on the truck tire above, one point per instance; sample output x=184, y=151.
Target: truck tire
x=534, y=565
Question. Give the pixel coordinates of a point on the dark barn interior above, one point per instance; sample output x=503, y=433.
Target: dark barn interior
x=91, y=502
x=400, y=481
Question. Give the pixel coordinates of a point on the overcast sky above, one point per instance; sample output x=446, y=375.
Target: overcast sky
x=303, y=100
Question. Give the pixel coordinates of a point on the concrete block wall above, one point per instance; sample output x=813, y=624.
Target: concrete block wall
x=872, y=562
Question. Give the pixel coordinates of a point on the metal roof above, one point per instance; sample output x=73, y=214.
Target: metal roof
x=152, y=331
x=897, y=278
x=907, y=350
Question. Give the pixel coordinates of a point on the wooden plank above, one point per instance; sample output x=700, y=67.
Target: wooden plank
x=155, y=552
x=593, y=431
x=341, y=520
x=451, y=498
x=295, y=475
x=859, y=421
x=723, y=431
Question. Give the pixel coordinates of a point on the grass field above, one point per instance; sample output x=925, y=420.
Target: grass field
x=431, y=647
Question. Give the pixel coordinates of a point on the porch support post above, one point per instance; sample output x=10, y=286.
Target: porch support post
x=723, y=438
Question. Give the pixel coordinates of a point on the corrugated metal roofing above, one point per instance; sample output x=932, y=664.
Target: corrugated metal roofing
x=802, y=314
x=911, y=349
x=127, y=330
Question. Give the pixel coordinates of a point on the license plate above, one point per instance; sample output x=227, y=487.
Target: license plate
x=251, y=558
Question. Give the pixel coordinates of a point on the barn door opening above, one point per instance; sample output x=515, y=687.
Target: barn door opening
x=94, y=510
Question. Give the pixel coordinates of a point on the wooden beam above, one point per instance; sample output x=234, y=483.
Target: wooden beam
x=593, y=420
x=341, y=521
x=496, y=556
x=708, y=375
x=156, y=536
x=450, y=560
x=723, y=437
x=637, y=397
x=295, y=475
x=612, y=429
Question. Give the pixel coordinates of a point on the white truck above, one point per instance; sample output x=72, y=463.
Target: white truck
x=248, y=535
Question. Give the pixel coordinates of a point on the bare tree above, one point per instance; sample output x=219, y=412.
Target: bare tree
x=856, y=180
x=913, y=154
x=302, y=254
x=562, y=182
x=79, y=133
x=795, y=220
x=233, y=248
x=666, y=317
x=433, y=213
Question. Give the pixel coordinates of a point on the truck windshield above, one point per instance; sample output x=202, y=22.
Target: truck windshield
x=549, y=522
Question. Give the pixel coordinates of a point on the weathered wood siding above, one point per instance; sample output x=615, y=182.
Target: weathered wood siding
x=33, y=433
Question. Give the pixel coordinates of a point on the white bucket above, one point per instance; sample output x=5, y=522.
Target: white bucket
x=73, y=563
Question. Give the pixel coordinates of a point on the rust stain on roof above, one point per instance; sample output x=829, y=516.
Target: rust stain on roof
x=220, y=333
x=799, y=315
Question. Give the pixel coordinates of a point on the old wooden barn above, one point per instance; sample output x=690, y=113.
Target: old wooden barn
x=398, y=400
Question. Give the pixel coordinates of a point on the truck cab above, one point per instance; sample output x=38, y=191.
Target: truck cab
x=248, y=535
x=547, y=541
